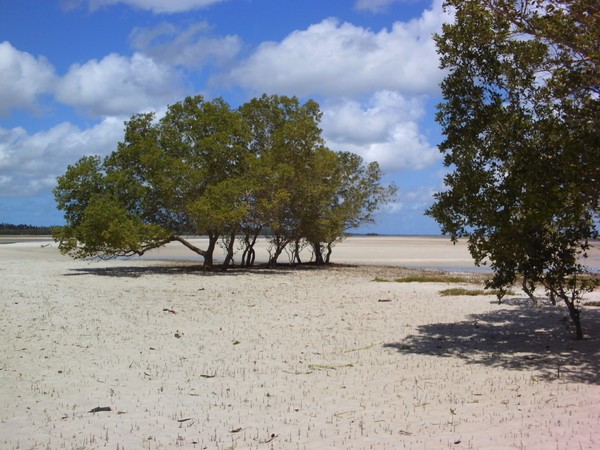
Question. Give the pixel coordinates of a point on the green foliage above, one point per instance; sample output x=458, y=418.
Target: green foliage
x=429, y=278
x=380, y=280
x=221, y=208
x=441, y=278
x=79, y=184
x=521, y=116
x=471, y=292
x=207, y=169
x=106, y=230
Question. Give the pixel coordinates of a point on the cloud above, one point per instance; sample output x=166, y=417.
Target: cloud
x=418, y=199
x=114, y=85
x=192, y=47
x=158, y=6
x=24, y=78
x=333, y=58
x=30, y=163
x=118, y=85
x=385, y=130
x=377, y=6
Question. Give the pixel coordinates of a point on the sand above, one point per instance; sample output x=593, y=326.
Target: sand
x=285, y=359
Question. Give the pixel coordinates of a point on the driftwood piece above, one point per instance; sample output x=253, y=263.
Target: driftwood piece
x=100, y=409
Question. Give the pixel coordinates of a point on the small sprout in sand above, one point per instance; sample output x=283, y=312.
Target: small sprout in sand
x=273, y=436
x=356, y=349
x=235, y=342
x=341, y=414
x=328, y=367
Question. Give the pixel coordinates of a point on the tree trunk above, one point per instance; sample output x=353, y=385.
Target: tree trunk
x=208, y=254
x=297, y=251
x=279, y=243
x=248, y=257
x=528, y=289
x=249, y=254
x=575, y=314
x=574, y=311
x=318, y=253
x=275, y=256
x=328, y=255
x=230, y=245
x=190, y=246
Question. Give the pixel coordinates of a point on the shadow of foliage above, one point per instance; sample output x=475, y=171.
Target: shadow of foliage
x=526, y=337
x=135, y=271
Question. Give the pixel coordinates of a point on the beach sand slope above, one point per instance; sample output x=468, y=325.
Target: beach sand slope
x=158, y=355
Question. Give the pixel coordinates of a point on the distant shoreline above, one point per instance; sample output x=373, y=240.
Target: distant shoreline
x=17, y=238
x=424, y=252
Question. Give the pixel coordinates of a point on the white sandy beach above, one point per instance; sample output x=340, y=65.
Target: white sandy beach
x=285, y=359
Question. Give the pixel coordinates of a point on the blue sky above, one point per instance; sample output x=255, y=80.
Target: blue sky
x=72, y=71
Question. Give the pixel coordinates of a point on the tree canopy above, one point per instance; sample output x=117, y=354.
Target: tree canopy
x=206, y=169
x=521, y=118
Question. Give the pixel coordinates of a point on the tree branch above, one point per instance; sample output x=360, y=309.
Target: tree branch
x=189, y=245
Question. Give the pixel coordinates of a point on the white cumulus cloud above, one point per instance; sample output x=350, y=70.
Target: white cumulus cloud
x=192, y=47
x=377, y=6
x=333, y=58
x=23, y=78
x=158, y=6
x=30, y=163
x=386, y=130
x=118, y=85
x=417, y=199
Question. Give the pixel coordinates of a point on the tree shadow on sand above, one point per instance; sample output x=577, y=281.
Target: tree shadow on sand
x=136, y=271
x=537, y=338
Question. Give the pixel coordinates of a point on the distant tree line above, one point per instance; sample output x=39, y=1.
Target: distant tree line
x=22, y=229
x=232, y=175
